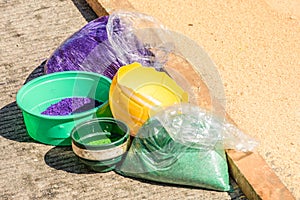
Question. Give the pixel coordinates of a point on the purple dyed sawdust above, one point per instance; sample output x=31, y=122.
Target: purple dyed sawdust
x=70, y=106
x=88, y=47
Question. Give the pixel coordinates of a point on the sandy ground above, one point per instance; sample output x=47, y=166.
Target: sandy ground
x=254, y=44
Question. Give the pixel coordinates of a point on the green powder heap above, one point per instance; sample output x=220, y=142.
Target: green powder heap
x=100, y=142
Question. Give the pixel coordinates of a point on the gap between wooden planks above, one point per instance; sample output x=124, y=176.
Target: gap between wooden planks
x=251, y=172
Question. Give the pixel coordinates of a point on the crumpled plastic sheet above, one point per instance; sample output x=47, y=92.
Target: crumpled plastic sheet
x=194, y=126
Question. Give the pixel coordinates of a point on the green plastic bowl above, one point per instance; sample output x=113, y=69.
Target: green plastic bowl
x=100, y=143
x=37, y=95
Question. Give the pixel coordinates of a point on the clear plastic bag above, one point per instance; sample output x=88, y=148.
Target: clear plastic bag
x=184, y=145
x=131, y=40
x=104, y=45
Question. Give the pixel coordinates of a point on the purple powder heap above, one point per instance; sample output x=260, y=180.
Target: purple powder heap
x=70, y=106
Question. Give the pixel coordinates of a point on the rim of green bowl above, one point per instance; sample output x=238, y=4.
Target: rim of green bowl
x=59, y=117
x=116, y=143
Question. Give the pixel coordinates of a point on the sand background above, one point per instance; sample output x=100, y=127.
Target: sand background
x=255, y=45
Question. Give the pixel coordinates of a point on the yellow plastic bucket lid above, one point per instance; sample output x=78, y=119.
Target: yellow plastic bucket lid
x=138, y=92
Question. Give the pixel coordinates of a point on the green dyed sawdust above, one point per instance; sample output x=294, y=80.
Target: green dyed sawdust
x=99, y=142
x=155, y=156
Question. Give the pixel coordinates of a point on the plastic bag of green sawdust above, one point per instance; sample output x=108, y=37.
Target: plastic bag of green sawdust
x=184, y=145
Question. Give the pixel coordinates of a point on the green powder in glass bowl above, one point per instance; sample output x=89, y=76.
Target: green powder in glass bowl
x=100, y=142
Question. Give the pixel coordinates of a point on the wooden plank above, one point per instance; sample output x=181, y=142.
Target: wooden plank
x=97, y=7
x=253, y=175
x=256, y=179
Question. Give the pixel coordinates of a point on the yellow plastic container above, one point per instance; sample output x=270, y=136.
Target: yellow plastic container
x=138, y=92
